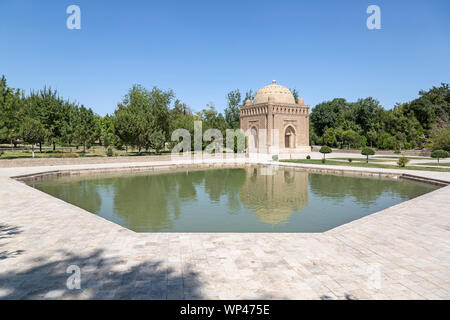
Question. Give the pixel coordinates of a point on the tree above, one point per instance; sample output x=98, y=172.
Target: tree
x=141, y=113
x=386, y=141
x=329, y=137
x=232, y=111
x=400, y=139
x=365, y=111
x=124, y=125
x=51, y=106
x=85, y=127
x=10, y=107
x=350, y=138
x=249, y=95
x=324, y=150
x=439, y=154
x=372, y=137
x=440, y=139
x=32, y=132
x=181, y=120
x=402, y=161
x=367, y=152
x=296, y=94
x=327, y=114
x=157, y=140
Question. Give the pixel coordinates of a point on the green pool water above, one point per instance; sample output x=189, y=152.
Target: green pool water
x=250, y=199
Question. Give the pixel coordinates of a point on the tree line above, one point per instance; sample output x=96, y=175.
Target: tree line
x=423, y=122
x=145, y=119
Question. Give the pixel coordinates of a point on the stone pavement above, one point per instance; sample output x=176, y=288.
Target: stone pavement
x=402, y=252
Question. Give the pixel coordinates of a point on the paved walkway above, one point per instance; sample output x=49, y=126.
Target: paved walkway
x=399, y=253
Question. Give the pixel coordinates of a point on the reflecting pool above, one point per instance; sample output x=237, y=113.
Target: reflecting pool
x=248, y=199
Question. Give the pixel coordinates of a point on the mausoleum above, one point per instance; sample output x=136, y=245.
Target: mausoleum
x=275, y=123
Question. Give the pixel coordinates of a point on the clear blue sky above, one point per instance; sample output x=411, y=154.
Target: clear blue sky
x=203, y=49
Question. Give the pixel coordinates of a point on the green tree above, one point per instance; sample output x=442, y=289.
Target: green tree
x=402, y=161
x=350, y=138
x=439, y=154
x=232, y=111
x=372, y=137
x=32, y=132
x=365, y=111
x=157, y=140
x=386, y=142
x=10, y=108
x=367, y=152
x=329, y=137
x=327, y=115
x=324, y=150
x=125, y=125
x=85, y=127
x=440, y=139
x=249, y=95
x=141, y=113
x=296, y=94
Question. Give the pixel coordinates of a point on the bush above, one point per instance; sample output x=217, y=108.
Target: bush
x=109, y=152
x=308, y=157
x=65, y=155
x=275, y=157
x=439, y=154
x=350, y=160
x=402, y=162
x=325, y=149
x=386, y=142
x=367, y=152
x=397, y=151
x=440, y=139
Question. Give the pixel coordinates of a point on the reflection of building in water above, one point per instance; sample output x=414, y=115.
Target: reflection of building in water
x=273, y=198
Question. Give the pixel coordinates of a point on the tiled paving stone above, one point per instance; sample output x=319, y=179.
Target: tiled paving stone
x=402, y=252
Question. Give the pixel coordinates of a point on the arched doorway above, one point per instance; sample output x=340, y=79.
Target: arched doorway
x=289, y=137
x=254, y=134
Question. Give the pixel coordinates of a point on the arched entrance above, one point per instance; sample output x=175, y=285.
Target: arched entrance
x=254, y=134
x=289, y=137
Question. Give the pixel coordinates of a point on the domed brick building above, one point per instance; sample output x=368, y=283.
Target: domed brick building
x=275, y=123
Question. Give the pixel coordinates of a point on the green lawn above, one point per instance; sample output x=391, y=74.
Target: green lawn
x=362, y=159
x=447, y=164
x=363, y=164
x=396, y=157
x=68, y=153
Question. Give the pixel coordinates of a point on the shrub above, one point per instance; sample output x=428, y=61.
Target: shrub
x=397, y=151
x=367, y=152
x=66, y=155
x=402, y=161
x=440, y=139
x=324, y=150
x=323, y=160
x=308, y=157
x=386, y=141
x=109, y=152
x=350, y=160
x=439, y=154
x=275, y=157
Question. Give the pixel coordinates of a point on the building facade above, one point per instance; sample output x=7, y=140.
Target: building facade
x=275, y=123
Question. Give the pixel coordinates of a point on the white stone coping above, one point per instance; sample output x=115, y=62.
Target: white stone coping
x=435, y=177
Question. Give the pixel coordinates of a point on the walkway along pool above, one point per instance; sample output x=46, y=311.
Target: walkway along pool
x=245, y=199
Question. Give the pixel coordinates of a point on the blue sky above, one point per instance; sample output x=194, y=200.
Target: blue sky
x=203, y=49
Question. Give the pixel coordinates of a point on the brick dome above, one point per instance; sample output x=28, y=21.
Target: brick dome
x=277, y=93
